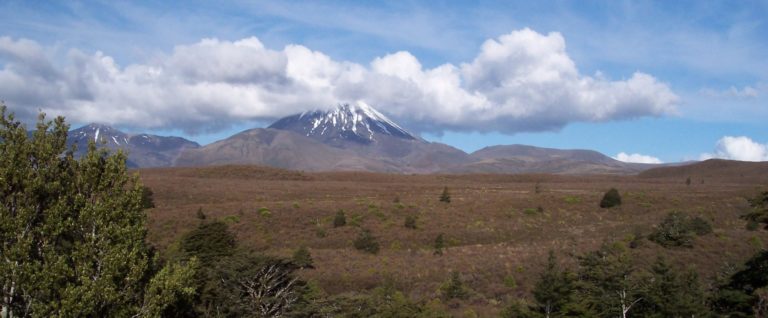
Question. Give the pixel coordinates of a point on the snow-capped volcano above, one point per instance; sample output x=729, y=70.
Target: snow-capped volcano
x=347, y=122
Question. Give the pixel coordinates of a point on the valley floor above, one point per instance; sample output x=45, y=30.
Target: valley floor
x=498, y=228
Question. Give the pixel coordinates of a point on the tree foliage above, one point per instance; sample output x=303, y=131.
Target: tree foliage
x=366, y=242
x=72, y=231
x=673, y=293
x=554, y=290
x=679, y=229
x=611, y=198
x=759, y=211
x=739, y=297
x=445, y=196
x=340, y=219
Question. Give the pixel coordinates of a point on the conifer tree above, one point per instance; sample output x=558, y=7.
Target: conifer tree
x=445, y=196
x=554, y=290
x=674, y=294
x=72, y=232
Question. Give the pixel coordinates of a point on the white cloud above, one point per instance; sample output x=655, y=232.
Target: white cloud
x=746, y=92
x=636, y=158
x=522, y=81
x=738, y=148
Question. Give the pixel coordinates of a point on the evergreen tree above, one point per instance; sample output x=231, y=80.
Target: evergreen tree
x=738, y=297
x=367, y=242
x=454, y=287
x=302, y=258
x=445, y=196
x=410, y=222
x=554, y=290
x=340, y=219
x=72, y=232
x=759, y=213
x=439, y=244
x=611, y=198
x=608, y=283
x=673, y=294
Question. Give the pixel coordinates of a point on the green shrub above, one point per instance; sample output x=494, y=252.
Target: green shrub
x=439, y=244
x=410, y=222
x=147, y=198
x=366, y=242
x=340, y=219
x=445, y=196
x=454, y=287
x=302, y=258
x=264, y=212
x=610, y=199
x=209, y=241
x=679, y=229
x=200, y=215
x=700, y=226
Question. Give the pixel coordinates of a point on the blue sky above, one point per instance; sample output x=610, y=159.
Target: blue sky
x=702, y=65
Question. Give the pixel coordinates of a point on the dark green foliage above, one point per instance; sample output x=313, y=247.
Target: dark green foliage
x=243, y=285
x=209, y=242
x=554, y=290
x=72, y=232
x=673, y=293
x=302, y=258
x=678, y=229
x=340, y=219
x=439, y=244
x=608, y=281
x=200, y=215
x=454, y=287
x=759, y=212
x=700, y=226
x=688, y=181
x=737, y=297
x=611, y=198
x=519, y=309
x=366, y=242
x=410, y=222
x=445, y=196
x=147, y=198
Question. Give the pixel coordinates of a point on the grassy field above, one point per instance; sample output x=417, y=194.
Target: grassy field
x=498, y=228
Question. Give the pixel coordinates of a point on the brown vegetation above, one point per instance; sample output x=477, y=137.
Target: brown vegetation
x=497, y=229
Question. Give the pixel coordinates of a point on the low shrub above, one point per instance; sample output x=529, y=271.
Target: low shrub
x=610, y=199
x=366, y=242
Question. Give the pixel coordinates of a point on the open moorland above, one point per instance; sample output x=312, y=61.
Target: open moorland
x=498, y=229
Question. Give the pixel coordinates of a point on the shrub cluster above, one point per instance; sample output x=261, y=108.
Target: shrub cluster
x=679, y=229
x=366, y=242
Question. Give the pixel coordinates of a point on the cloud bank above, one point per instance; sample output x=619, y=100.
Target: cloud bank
x=738, y=148
x=636, y=158
x=521, y=81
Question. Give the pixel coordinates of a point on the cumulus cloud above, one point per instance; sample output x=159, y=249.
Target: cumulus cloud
x=636, y=158
x=738, y=148
x=522, y=81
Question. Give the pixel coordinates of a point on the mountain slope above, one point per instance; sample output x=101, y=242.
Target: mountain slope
x=143, y=150
x=348, y=137
x=713, y=169
x=529, y=159
x=358, y=123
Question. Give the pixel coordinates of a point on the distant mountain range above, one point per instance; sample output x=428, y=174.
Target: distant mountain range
x=143, y=150
x=352, y=137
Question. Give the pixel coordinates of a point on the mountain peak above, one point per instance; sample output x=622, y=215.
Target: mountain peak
x=357, y=122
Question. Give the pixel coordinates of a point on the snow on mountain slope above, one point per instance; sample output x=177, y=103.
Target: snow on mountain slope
x=347, y=122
